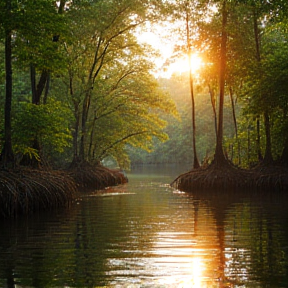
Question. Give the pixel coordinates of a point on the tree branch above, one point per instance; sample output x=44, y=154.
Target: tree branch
x=119, y=141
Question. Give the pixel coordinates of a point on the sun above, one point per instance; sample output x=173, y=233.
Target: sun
x=196, y=62
x=182, y=65
x=165, y=46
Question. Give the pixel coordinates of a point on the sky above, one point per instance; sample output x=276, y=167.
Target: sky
x=159, y=38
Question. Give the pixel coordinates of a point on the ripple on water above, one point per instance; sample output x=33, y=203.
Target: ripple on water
x=145, y=234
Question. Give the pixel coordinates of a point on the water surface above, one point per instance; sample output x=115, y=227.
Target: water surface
x=146, y=234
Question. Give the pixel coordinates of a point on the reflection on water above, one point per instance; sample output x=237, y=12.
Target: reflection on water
x=144, y=234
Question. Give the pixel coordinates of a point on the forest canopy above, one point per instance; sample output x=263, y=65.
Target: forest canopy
x=243, y=48
x=81, y=84
x=77, y=82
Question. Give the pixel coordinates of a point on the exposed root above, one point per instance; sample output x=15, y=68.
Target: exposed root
x=26, y=191
x=270, y=178
x=212, y=177
x=230, y=177
x=90, y=177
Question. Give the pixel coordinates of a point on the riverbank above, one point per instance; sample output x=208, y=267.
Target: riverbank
x=25, y=191
x=264, y=178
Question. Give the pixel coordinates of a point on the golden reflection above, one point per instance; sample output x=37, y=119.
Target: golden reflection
x=189, y=252
x=197, y=268
x=197, y=274
x=182, y=262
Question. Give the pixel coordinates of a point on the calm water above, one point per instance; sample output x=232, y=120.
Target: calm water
x=145, y=234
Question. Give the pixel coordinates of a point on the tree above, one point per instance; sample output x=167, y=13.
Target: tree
x=262, y=32
x=189, y=52
x=104, y=44
x=7, y=156
x=41, y=25
x=185, y=12
x=219, y=154
x=125, y=109
x=32, y=28
x=40, y=28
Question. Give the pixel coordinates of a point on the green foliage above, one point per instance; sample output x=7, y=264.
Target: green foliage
x=101, y=72
x=49, y=124
x=40, y=30
x=104, y=74
x=256, y=73
x=2, y=91
x=109, y=81
x=178, y=148
x=257, y=87
x=265, y=88
x=34, y=25
x=128, y=114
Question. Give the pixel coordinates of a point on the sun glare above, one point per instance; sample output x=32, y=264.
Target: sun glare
x=182, y=65
x=165, y=46
x=196, y=275
x=196, y=62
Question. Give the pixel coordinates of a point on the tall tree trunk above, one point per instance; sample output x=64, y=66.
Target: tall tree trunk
x=7, y=156
x=47, y=87
x=75, y=136
x=90, y=152
x=95, y=68
x=268, y=158
x=77, y=121
x=38, y=91
x=219, y=154
x=235, y=122
x=233, y=111
x=33, y=81
x=258, y=141
x=195, y=157
x=248, y=144
x=85, y=111
x=213, y=102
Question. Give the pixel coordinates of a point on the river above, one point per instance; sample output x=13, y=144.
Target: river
x=147, y=234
